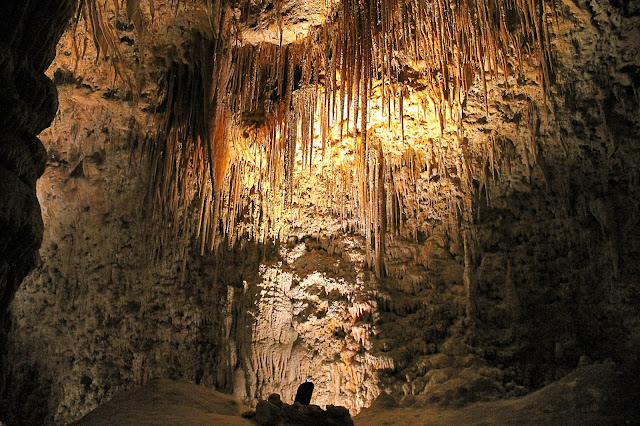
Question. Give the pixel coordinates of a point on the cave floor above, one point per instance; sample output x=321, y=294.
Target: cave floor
x=593, y=395
x=598, y=394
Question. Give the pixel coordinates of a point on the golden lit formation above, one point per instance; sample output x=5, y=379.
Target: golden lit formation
x=240, y=118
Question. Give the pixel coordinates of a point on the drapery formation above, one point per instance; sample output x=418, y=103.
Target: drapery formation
x=234, y=109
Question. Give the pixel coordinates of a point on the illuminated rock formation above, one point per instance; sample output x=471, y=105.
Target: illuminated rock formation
x=432, y=200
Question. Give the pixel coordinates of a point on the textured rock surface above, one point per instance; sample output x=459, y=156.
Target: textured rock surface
x=600, y=393
x=252, y=320
x=28, y=101
x=515, y=256
x=593, y=394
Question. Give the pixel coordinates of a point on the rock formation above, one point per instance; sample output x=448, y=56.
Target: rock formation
x=275, y=412
x=28, y=101
x=243, y=198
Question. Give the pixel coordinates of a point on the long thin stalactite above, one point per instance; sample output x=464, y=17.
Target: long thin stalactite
x=270, y=92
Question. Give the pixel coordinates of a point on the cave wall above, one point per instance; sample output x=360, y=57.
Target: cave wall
x=107, y=309
x=105, y=312
x=515, y=257
x=556, y=270
x=28, y=36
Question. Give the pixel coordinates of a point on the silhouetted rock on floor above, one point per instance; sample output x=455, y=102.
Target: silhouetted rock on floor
x=275, y=412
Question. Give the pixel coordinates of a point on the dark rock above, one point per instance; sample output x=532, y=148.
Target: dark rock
x=270, y=413
x=29, y=33
x=337, y=411
x=313, y=411
x=249, y=414
x=292, y=414
x=305, y=391
x=274, y=398
x=266, y=413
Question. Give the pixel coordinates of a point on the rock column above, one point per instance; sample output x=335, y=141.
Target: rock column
x=29, y=32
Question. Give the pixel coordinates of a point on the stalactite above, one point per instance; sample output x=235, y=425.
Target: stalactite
x=275, y=92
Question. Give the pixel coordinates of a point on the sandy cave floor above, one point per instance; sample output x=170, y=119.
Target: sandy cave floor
x=598, y=394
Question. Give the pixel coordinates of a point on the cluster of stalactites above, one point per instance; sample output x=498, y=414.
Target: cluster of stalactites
x=442, y=45
x=269, y=92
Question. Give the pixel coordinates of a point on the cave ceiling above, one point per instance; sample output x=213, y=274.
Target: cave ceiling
x=368, y=100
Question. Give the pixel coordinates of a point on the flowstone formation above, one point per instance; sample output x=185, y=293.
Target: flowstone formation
x=310, y=318
x=249, y=197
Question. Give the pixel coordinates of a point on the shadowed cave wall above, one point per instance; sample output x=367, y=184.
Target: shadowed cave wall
x=28, y=36
x=543, y=235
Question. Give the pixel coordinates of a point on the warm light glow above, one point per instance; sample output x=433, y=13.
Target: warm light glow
x=252, y=109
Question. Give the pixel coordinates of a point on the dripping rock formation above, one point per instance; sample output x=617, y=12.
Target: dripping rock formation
x=429, y=210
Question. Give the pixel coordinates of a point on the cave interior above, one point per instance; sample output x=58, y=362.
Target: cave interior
x=429, y=209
